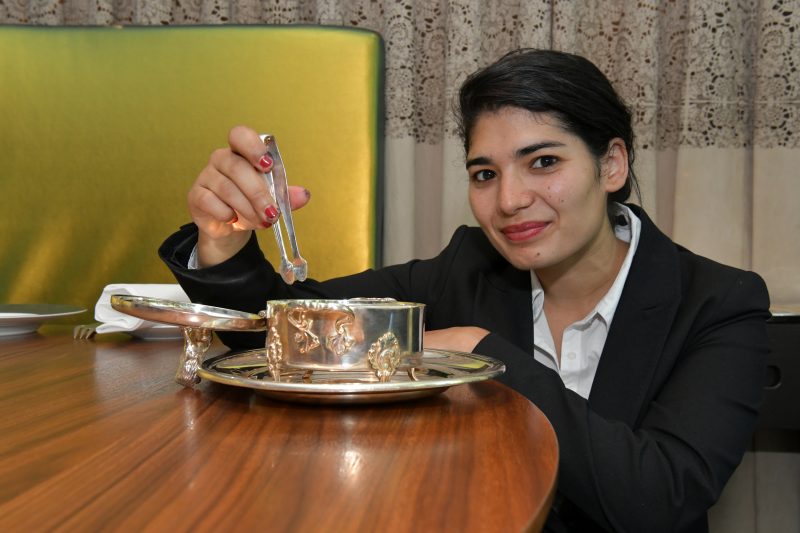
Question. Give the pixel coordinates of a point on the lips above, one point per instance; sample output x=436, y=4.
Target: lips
x=524, y=231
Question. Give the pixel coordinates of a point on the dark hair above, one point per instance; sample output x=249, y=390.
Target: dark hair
x=567, y=86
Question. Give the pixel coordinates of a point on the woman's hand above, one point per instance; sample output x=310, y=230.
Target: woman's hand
x=230, y=197
x=457, y=339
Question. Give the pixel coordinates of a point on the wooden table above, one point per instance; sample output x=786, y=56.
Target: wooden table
x=95, y=435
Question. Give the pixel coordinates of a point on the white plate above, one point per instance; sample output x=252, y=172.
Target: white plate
x=785, y=313
x=20, y=319
x=159, y=332
x=438, y=371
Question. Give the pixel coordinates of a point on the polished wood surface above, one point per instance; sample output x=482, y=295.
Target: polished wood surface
x=95, y=435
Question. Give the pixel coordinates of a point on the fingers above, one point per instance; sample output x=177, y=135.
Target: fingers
x=218, y=197
x=231, y=192
x=247, y=143
x=205, y=201
x=242, y=187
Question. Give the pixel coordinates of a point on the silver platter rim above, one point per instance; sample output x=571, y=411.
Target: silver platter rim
x=491, y=368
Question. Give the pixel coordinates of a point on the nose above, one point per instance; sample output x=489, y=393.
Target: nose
x=514, y=193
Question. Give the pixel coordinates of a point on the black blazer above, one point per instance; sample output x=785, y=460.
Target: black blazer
x=677, y=391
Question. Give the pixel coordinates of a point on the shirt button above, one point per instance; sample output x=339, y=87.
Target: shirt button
x=571, y=355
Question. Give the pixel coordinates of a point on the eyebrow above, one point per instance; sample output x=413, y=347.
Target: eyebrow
x=520, y=153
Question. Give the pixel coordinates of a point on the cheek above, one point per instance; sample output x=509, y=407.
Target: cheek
x=572, y=192
x=556, y=193
x=477, y=203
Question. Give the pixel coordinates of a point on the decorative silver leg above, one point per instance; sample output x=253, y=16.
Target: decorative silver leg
x=196, y=342
x=274, y=352
x=384, y=355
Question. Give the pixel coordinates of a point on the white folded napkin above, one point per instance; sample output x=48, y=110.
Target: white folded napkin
x=113, y=321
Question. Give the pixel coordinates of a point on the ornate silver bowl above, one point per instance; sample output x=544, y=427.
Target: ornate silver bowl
x=378, y=335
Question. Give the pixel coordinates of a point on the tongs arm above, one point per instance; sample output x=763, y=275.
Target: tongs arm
x=295, y=269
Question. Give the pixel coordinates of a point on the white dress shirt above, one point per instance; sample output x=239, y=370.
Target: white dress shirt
x=192, y=263
x=583, y=341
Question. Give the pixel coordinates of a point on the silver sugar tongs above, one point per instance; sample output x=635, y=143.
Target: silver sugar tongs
x=297, y=268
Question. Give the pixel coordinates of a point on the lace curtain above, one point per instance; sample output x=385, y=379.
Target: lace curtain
x=730, y=66
x=714, y=85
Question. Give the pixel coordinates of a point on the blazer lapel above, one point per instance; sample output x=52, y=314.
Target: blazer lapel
x=503, y=304
x=640, y=327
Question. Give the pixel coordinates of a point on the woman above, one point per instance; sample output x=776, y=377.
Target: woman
x=646, y=358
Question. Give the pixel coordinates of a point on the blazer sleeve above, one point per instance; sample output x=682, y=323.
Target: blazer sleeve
x=247, y=280
x=664, y=473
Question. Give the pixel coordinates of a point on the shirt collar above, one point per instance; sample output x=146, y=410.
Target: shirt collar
x=627, y=228
x=627, y=231
x=538, y=296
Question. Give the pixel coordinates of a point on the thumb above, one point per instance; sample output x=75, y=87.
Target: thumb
x=298, y=196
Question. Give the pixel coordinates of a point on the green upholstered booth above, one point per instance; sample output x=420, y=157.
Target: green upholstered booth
x=103, y=130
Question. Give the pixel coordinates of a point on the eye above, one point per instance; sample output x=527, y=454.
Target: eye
x=483, y=175
x=544, y=161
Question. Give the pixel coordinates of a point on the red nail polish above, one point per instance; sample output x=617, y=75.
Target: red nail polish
x=265, y=162
x=271, y=212
x=267, y=224
x=234, y=220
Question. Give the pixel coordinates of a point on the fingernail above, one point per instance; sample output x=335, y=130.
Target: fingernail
x=265, y=162
x=267, y=224
x=234, y=220
x=307, y=193
x=271, y=212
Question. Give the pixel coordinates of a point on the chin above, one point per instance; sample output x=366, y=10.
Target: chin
x=528, y=260
x=521, y=256
x=527, y=265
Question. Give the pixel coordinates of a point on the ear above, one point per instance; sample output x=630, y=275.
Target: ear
x=614, y=170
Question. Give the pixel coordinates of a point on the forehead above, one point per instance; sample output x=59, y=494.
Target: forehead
x=513, y=127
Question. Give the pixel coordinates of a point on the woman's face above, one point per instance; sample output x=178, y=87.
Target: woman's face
x=537, y=191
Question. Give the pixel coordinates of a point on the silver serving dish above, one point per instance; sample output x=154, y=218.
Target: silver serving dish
x=377, y=335
x=362, y=339
x=437, y=370
x=361, y=335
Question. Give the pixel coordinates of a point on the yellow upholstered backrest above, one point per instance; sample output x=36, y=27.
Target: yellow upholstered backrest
x=103, y=130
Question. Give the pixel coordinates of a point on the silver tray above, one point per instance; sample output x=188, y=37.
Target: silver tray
x=439, y=371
